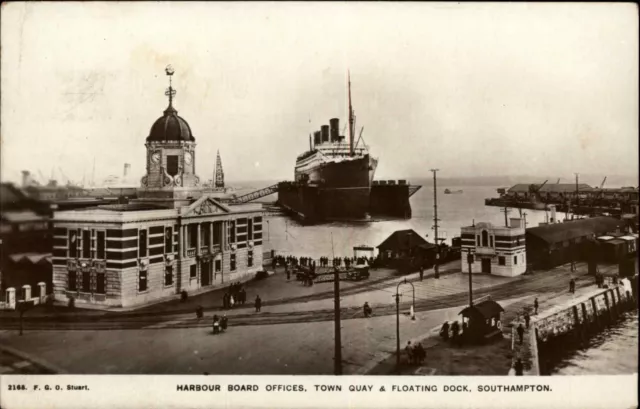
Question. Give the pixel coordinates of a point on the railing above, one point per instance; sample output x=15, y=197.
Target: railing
x=204, y=250
x=191, y=252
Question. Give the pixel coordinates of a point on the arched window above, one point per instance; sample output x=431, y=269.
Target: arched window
x=485, y=238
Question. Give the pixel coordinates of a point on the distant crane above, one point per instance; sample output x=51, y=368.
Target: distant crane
x=359, y=137
x=63, y=175
x=603, y=180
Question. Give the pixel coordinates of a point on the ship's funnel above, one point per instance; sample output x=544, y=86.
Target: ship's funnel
x=324, y=129
x=334, y=124
x=317, y=138
x=25, y=178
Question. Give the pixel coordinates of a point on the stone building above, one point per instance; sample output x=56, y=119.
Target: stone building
x=173, y=237
x=498, y=250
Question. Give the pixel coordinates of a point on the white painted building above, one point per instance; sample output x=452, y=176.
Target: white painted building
x=498, y=250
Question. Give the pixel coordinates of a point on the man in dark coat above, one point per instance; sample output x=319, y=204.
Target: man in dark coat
x=519, y=367
x=527, y=318
x=535, y=306
x=258, y=303
x=520, y=330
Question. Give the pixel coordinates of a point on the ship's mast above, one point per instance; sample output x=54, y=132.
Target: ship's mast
x=351, y=119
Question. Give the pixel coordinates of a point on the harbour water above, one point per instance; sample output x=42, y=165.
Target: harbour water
x=287, y=236
x=613, y=351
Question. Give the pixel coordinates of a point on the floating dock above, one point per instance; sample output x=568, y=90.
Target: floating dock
x=314, y=204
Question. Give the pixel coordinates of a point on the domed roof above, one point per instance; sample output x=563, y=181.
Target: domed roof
x=170, y=127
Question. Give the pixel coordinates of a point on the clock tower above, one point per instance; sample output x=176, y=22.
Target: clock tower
x=171, y=179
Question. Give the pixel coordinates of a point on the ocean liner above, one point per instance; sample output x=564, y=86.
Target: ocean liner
x=333, y=180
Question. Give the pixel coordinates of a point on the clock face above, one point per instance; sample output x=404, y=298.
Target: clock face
x=155, y=157
x=188, y=158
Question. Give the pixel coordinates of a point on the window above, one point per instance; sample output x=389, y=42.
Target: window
x=100, y=246
x=142, y=281
x=250, y=230
x=250, y=258
x=193, y=236
x=172, y=165
x=73, y=244
x=218, y=266
x=168, y=275
x=478, y=243
x=502, y=261
x=86, y=282
x=168, y=240
x=232, y=232
x=193, y=272
x=490, y=241
x=205, y=238
x=100, y=283
x=72, y=281
x=515, y=259
x=485, y=238
x=142, y=244
x=233, y=262
x=216, y=233
x=86, y=244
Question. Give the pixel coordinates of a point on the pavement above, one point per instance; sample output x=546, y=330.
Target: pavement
x=300, y=343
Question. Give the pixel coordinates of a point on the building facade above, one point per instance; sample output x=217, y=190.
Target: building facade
x=25, y=247
x=171, y=238
x=496, y=250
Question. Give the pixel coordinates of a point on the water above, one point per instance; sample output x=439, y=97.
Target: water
x=454, y=211
x=611, y=352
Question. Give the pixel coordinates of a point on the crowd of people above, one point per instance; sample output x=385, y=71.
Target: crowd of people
x=321, y=261
x=234, y=295
x=416, y=353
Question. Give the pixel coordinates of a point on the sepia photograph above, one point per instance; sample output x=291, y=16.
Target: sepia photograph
x=367, y=188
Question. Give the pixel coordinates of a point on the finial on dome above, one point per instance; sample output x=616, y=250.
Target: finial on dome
x=170, y=92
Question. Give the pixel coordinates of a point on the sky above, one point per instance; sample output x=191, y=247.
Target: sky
x=472, y=89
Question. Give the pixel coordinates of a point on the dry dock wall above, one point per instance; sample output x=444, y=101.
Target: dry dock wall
x=579, y=318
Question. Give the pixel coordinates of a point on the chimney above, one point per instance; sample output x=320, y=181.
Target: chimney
x=516, y=223
x=334, y=124
x=317, y=138
x=324, y=129
x=25, y=178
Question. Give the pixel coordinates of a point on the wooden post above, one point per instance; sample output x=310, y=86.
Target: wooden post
x=606, y=301
x=596, y=313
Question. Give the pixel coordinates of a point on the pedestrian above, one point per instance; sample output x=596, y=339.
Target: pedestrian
x=444, y=331
x=527, y=318
x=232, y=301
x=225, y=301
x=409, y=350
x=420, y=353
x=258, y=303
x=243, y=296
x=421, y=273
x=223, y=323
x=535, y=306
x=572, y=286
x=367, y=309
x=519, y=367
x=520, y=332
x=216, y=324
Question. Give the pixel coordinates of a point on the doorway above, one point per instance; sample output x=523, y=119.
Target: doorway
x=486, y=265
x=205, y=273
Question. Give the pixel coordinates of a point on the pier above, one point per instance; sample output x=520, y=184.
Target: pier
x=578, y=315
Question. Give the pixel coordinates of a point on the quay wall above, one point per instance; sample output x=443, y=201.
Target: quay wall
x=578, y=318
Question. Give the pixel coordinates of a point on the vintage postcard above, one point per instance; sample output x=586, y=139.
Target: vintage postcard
x=319, y=204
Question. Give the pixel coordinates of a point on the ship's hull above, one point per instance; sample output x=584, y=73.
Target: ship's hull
x=357, y=172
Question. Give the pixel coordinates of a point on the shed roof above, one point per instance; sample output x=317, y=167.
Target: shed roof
x=402, y=240
x=487, y=308
x=559, y=232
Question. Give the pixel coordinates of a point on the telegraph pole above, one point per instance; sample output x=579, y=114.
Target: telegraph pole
x=435, y=221
x=506, y=211
x=470, y=261
x=337, y=360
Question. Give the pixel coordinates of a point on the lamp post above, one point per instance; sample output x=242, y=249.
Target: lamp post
x=268, y=231
x=397, y=296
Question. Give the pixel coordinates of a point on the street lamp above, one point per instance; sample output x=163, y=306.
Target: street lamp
x=398, y=316
x=470, y=262
x=268, y=231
